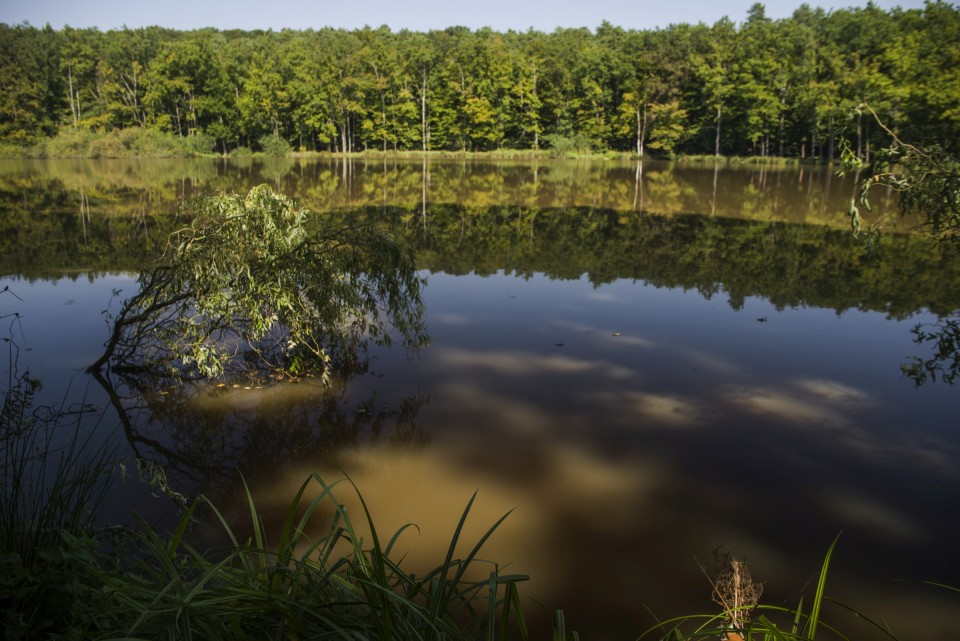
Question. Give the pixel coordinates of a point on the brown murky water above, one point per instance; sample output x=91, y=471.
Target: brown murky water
x=644, y=363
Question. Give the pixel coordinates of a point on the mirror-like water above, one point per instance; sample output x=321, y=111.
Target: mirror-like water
x=644, y=363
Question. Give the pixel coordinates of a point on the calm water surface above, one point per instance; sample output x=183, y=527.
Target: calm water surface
x=644, y=363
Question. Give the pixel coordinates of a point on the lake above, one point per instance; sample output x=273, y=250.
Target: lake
x=645, y=362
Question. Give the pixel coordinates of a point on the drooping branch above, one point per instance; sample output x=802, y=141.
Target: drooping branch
x=926, y=180
x=250, y=286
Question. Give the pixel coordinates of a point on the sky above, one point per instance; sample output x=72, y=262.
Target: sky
x=501, y=15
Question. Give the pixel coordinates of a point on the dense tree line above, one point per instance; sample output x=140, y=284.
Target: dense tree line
x=761, y=87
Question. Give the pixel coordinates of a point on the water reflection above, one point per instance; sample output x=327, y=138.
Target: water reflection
x=641, y=383
x=800, y=194
x=203, y=435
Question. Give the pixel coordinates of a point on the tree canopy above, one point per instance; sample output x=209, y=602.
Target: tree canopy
x=761, y=87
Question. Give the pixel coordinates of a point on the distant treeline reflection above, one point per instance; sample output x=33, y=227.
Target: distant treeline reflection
x=788, y=264
x=149, y=187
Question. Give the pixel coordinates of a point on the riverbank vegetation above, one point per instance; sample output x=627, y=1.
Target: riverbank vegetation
x=322, y=576
x=760, y=87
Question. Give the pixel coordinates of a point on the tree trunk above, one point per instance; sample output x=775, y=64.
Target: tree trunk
x=643, y=129
x=424, y=133
x=639, y=143
x=780, y=146
x=866, y=137
x=831, y=142
x=74, y=111
x=716, y=144
x=859, y=138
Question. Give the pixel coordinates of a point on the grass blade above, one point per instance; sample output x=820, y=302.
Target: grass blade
x=818, y=595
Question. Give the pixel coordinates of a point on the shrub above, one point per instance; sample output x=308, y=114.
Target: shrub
x=569, y=145
x=70, y=142
x=274, y=145
x=199, y=143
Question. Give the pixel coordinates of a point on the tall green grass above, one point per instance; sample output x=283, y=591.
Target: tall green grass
x=336, y=585
x=52, y=483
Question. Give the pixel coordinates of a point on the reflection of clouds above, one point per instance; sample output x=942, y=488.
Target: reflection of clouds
x=632, y=341
x=783, y=405
x=427, y=489
x=449, y=319
x=822, y=404
x=430, y=488
x=866, y=511
x=709, y=362
x=819, y=401
x=245, y=397
x=602, y=296
x=527, y=364
x=657, y=410
x=832, y=391
x=607, y=333
x=510, y=412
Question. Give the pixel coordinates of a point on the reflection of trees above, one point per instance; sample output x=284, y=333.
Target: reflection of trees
x=204, y=436
x=121, y=187
x=944, y=362
x=790, y=265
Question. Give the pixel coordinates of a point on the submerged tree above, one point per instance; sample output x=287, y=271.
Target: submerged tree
x=256, y=285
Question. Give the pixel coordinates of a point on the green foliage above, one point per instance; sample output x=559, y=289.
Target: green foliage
x=199, y=143
x=565, y=146
x=52, y=482
x=274, y=145
x=944, y=362
x=69, y=142
x=249, y=286
x=668, y=126
x=297, y=585
x=763, y=87
x=926, y=180
x=133, y=142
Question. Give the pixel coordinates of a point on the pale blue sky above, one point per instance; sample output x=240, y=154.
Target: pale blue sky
x=501, y=15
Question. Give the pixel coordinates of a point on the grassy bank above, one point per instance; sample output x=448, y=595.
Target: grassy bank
x=152, y=143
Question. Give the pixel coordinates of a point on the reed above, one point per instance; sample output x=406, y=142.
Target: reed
x=52, y=483
x=337, y=585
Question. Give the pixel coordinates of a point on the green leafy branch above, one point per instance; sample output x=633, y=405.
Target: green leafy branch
x=256, y=284
x=926, y=180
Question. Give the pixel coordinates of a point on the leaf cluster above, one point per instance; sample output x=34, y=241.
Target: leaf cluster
x=254, y=285
x=926, y=180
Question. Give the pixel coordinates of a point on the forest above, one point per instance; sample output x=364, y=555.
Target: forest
x=760, y=87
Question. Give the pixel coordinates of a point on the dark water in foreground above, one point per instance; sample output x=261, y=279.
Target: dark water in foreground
x=644, y=363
